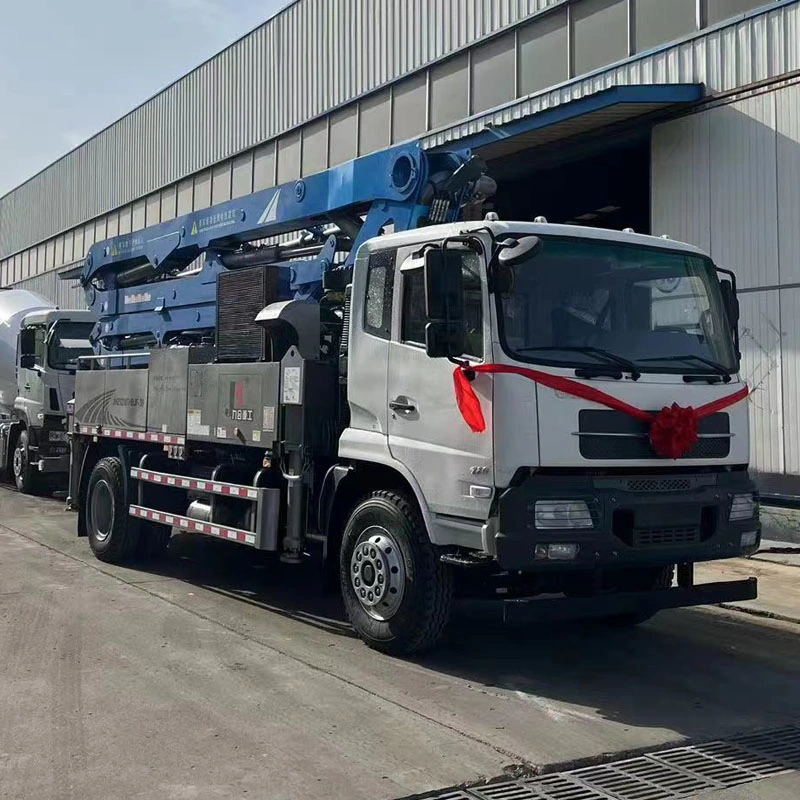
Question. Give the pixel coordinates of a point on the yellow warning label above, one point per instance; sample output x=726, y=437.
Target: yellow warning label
x=114, y=251
x=194, y=229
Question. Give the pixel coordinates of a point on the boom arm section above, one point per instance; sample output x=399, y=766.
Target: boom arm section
x=147, y=288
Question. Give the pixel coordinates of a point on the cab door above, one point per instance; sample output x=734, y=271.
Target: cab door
x=32, y=361
x=452, y=465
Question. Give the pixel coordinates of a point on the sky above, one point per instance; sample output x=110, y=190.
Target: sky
x=69, y=68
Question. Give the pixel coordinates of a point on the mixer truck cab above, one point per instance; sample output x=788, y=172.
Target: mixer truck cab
x=40, y=355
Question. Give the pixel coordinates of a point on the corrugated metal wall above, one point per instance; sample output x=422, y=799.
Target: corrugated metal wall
x=65, y=294
x=728, y=180
x=734, y=56
x=310, y=58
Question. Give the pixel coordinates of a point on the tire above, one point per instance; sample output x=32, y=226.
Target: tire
x=153, y=540
x=26, y=475
x=385, y=538
x=113, y=536
x=645, y=579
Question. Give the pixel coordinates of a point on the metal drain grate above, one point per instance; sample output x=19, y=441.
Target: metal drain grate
x=680, y=772
x=782, y=745
x=642, y=779
x=721, y=772
x=551, y=787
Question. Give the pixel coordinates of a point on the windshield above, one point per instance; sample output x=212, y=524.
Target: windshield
x=660, y=310
x=70, y=340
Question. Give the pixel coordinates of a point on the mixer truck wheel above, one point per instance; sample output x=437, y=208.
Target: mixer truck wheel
x=26, y=475
x=396, y=591
x=113, y=535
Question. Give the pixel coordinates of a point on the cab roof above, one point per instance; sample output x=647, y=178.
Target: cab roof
x=500, y=228
x=47, y=316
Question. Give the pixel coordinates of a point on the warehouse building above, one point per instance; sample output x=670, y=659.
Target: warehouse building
x=678, y=117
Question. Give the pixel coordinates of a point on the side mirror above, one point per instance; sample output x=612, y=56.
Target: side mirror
x=444, y=296
x=515, y=251
x=27, y=341
x=730, y=301
x=27, y=361
x=445, y=332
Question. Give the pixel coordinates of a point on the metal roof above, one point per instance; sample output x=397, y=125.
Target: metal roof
x=607, y=107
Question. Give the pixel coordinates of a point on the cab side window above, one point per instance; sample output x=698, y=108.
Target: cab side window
x=380, y=285
x=39, y=349
x=32, y=343
x=412, y=328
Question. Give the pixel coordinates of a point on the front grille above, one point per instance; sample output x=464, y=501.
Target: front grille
x=660, y=485
x=697, y=524
x=660, y=537
x=614, y=435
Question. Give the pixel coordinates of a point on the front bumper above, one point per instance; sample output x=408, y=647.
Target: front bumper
x=644, y=603
x=54, y=463
x=52, y=445
x=639, y=520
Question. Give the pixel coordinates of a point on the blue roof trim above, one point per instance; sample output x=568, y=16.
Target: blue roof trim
x=661, y=93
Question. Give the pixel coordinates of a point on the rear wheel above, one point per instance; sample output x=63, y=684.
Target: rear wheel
x=396, y=591
x=26, y=474
x=113, y=536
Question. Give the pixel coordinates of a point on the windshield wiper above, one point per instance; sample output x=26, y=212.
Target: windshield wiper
x=718, y=368
x=598, y=352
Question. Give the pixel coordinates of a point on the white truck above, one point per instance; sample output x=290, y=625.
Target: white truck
x=39, y=349
x=513, y=409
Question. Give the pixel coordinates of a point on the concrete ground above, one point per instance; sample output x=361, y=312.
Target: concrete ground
x=217, y=675
x=781, y=524
x=781, y=787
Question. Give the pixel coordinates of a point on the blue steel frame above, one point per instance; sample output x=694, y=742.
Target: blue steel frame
x=390, y=182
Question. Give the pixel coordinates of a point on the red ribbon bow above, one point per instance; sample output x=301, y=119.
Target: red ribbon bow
x=673, y=430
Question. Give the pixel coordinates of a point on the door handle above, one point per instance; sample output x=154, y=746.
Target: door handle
x=27, y=386
x=401, y=406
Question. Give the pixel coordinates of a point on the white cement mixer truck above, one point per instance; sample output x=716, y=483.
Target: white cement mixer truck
x=39, y=349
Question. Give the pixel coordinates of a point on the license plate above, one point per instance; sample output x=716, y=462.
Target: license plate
x=57, y=436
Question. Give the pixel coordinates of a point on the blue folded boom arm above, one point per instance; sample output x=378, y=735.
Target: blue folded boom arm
x=134, y=282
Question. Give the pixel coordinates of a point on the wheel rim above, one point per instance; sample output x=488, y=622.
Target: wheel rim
x=101, y=511
x=377, y=573
x=19, y=461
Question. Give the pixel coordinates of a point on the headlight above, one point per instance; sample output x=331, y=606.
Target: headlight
x=742, y=507
x=554, y=514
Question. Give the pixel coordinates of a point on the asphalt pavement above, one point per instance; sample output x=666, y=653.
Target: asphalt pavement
x=216, y=673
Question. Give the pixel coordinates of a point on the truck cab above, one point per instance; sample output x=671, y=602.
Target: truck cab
x=50, y=343
x=554, y=479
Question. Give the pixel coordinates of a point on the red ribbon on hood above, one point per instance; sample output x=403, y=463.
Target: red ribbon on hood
x=673, y=430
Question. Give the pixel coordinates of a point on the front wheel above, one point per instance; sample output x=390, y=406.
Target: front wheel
x=113, y=535
x=26, y=475
x=396, y=591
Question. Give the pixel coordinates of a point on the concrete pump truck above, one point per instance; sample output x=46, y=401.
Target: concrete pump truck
x=514, y=409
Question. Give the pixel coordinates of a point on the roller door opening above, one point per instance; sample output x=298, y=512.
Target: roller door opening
x=604, y=185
